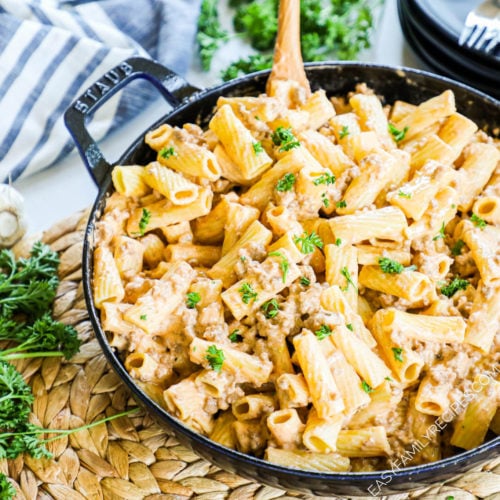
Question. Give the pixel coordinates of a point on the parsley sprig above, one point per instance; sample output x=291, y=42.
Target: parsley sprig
x=210, y=34
x=143, y=223
x=308, y=242
x=270, y=308
x=478, y=222
x=284, y=138
x=284, y=264
x=441, y=234
x=398, y=135
x=390, y=266
x=247, y=293
x=286, y=182
x=215, y=357
x=192, y=299
x=326, y=178
x=456, y=249
x=323, y=332
x=397, y=353
x=454, y=286
x=166, y=153
x=349, y=281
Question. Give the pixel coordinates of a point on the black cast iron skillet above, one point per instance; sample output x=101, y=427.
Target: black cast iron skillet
x=194, y=105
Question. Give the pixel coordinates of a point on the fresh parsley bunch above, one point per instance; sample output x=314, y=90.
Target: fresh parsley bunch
x=330, y=29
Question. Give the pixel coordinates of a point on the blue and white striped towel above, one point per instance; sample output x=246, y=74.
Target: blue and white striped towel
x=52, y=50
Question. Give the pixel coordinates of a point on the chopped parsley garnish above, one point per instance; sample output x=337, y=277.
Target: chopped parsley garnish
x=325, y=200
x=338, y=242
x=235, y=336
x=143, y=223
x=344, y=132
x=192, y=299
x=398, y=353
x=215, y=358
x=305, y=281
x=167, y=152
x=478, y=222
x=143, y=317
x=247, y=293
x=284, y=138
x=349, y=327
x=366, y=387
x=243, y=258
x=270, y=308
x=457, y=247
x=323, y=332
x=341, y=204
x=286, y=182
x=390, y=266
x=402, y=194
x=347, y=275
x=326, y=178
x=389, y=379
x=308, y=242
x=441, y=234
x=257, y=147
x=398, y=135
x=455, y=285
x=284, y=264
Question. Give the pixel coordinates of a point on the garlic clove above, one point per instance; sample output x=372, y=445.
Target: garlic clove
x=12, y=216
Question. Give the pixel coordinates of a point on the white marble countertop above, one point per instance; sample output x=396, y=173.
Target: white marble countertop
x=65, y=188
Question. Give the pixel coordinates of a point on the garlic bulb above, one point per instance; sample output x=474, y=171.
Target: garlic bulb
x=12, y=219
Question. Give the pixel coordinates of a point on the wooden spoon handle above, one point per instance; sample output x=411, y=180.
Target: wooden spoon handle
x=287, y=62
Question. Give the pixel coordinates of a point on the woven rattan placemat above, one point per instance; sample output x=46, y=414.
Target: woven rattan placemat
x=133, y=457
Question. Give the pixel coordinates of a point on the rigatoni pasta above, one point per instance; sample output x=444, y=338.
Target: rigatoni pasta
x=311, y=285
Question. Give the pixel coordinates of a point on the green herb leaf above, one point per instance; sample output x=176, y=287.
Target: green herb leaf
x=347, y=275
x=143, y=317
x=441, y=233
x=457, y=247
x=402, y=194
x=7, y=490
x=338, y=242
x=367, y=388
x=235, y=336
x=341, y=204
x=284, y=264
x=390, y=266
x=210, y=34
x=270, y=308
x=286, y=182
x=247, y=293
x=344, y=132
x=192, y=299
x=143, y=223
x=326, y=178
x=478, y=222
x=215, y=357
x=305, y=281
x=325, y=200
x=167, y=152
x=323, y=332
x=398, y=135
x=398, y=353
x=349, y=327
x=455, y=285
x=284, y=138
x=308, y=242
x=257, y=147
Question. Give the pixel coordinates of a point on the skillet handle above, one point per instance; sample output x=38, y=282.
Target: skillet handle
x=173, y=88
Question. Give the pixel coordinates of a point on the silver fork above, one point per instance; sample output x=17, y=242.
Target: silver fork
x=482, y=27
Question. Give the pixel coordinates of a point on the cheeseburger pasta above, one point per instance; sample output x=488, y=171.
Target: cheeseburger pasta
x=312, y=281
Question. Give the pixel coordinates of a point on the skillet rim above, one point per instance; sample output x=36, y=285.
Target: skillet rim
x=467, y=459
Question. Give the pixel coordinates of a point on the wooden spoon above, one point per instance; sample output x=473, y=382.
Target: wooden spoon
x=288, y=63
